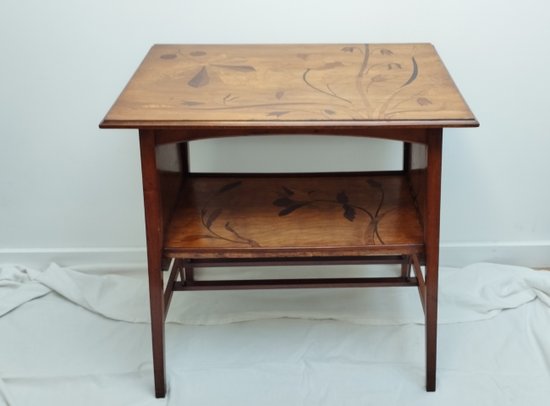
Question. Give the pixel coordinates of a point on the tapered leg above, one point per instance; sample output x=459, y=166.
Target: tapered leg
x=156, y=301
x=153, y=225
x=433, y=190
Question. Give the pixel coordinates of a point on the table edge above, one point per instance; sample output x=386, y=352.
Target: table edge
x=288, y=126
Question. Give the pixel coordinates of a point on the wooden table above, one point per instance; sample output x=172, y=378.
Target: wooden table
x=182, y=93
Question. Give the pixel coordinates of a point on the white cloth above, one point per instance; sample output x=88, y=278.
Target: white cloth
x=17, y=287
x=476, y=292
x=55, y=352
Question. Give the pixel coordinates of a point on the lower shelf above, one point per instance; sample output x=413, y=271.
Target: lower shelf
x=252, y=216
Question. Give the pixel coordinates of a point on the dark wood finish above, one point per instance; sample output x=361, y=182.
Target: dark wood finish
x=420, y=278
x=408, y=133
x=406, y=267
x=296, y=283
x=154, y=233
x=171, y=180
x=431, y=237
x=183, y=149
x=407, y=156
x=175, y=270
x=416, y=160
x=259, y=262
x=182, y=93
x=170, y=186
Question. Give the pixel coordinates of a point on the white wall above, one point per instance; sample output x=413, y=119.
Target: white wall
x=68, y=187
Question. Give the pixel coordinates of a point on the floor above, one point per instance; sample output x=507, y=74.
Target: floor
x=80, y=336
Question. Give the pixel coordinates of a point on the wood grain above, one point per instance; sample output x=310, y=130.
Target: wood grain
x=304, y=85
x=431, y=239
x=154, y=234
x=294, y=216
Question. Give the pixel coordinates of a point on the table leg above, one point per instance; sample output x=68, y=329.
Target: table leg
x=433, y=191
x=153, y=225
x=406, y=267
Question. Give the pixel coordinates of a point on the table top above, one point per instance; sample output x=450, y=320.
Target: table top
x=307, y=86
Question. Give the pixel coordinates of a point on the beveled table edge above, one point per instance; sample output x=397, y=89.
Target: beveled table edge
x=288, y=126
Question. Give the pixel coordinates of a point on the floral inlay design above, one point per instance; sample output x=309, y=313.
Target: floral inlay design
x=288, y=203
x=210, y=214
x=220, y=210
x=355, y=96
x=186, y=84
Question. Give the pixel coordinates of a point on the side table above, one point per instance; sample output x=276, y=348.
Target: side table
x=182, y=93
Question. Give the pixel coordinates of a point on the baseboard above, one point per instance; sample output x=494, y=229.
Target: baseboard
x=534, y=254
x=41, y=257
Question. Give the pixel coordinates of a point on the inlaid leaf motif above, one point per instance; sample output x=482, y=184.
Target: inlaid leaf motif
x=385, y=51
x=232, y=230
x=278, y=113
x=238, y=68
x=423, y=101
x=229, y=98
x=212, y=217
x=330, y=112
x=279, y=95
x=194, y=237
x=349, y=212
x=200, y=79
x=288, y=191
x=168, y=56
x=331, y=65
x=414, y=73
x=342, y=197
x=348, y=49
x=287, y=210
x=191, y=103
x=229, y=186
x=283, y=202
x=394, y=66
x=378, y=78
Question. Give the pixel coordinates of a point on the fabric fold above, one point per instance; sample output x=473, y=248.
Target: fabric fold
x=476, y=292
x=17, y=287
